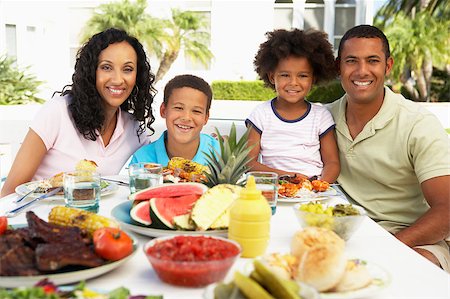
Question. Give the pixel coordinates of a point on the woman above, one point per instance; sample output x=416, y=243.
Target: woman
x=102, y=116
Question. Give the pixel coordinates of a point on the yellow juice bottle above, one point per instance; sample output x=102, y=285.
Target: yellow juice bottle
x=250, y=221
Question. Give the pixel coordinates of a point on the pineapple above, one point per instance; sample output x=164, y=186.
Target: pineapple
x=210, y=211
x=228, y=166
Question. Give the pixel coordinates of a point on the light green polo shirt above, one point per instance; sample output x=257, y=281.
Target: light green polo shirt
x=402, y=146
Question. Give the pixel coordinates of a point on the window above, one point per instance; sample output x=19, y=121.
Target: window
x=283, y=14
x=314, y=15
x=11, y=40
x=345, y=18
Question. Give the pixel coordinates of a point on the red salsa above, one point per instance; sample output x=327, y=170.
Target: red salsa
x=175, y=259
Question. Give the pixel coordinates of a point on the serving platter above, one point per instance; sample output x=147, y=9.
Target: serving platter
x=381, y=279
x=27, y=187
x=66, y=277
x=121, y=213
x=308, y=196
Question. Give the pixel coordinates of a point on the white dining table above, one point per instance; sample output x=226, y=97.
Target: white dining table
x=410, y=275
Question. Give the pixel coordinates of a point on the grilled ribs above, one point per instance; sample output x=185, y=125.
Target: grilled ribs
x=51, y=257
x=44, y=247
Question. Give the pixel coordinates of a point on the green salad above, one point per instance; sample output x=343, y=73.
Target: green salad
x=47, y=290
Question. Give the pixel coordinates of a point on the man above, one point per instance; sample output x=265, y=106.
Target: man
x=395, y=155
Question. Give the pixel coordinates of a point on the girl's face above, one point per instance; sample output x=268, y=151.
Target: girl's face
x=293, y=79
x=116, y=73
x=185, y=115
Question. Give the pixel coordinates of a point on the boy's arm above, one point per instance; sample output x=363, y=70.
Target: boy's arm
x=330, y=157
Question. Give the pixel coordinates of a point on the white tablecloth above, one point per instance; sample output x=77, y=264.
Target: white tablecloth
x=412, y=276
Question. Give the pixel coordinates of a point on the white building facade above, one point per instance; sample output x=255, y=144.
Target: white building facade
x=44, y=35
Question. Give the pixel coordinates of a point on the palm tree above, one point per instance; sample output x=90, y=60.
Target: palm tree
x=418, y=33
x=184, y=30
x=164, y=38
x=415, y=53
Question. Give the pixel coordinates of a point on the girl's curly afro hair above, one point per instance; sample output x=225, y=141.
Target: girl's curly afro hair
x=86, y=106
x=311, y=44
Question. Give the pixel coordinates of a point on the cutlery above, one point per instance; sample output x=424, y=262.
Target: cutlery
x=14, y=212
x=119, y=182
x=19, y=199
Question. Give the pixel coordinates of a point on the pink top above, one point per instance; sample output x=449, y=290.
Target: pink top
x=66, y=146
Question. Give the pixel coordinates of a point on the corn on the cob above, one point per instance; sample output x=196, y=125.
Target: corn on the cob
x=83, y=219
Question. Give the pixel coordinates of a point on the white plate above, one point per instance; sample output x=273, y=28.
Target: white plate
x=381, y=279
x=313, y=196
x=27, y=187
x=66, y=277
x=121, y=213
x=306, y=292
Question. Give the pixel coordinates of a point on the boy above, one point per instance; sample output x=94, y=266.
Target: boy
x=187, y=100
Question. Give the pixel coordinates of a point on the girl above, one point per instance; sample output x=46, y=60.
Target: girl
x=291, y=135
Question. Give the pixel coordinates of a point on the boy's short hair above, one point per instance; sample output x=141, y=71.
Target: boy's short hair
x=191, y=81
x=365, y=31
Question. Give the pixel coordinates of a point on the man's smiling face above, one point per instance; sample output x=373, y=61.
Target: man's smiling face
x=363, y=67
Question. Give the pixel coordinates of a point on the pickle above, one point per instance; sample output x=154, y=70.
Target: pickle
x=278, y=287
x=227, y=291
x=256, y=277
x=250, y=288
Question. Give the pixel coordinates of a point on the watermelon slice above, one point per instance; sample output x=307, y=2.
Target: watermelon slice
x=163, y=210
x=169, y=190
x=141, y=212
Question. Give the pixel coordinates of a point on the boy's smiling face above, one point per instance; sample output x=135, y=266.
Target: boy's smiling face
x=185, y=115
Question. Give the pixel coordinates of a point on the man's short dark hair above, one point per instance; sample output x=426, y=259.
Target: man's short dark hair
x=365, y=31
x=191, y=81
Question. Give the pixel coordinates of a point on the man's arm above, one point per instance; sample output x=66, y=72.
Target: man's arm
x=434, y=225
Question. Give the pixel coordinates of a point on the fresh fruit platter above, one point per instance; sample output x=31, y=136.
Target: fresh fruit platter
x=184, y=206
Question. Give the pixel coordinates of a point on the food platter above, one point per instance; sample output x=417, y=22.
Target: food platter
x=381, y=279
x=306, y=292
x=121, y=213
x=308, y=196
x=27, y=187
x=65, y=277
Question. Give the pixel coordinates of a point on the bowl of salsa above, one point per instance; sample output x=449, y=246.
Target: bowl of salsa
x=191, y=261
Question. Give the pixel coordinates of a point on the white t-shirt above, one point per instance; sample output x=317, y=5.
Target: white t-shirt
x=291, y=145
x=66, y=146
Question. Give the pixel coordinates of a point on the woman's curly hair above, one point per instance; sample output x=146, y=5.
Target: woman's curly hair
x=311, y=44
x=86, y=106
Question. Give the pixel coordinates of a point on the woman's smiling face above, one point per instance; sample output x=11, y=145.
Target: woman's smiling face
x=116, y=73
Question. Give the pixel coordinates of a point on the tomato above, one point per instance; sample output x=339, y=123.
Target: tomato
x=112, y=243
x=3, y=224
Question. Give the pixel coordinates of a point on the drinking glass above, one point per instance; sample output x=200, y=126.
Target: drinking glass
x=144, y=175
x=267, y=182
x=82, y=190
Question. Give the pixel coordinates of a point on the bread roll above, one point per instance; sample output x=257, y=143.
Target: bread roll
x=87, y=165
x=320, y=254
x=356, y=276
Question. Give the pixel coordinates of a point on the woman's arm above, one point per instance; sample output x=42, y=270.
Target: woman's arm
x=27, y=161
x=254, y=139
x=330, y=157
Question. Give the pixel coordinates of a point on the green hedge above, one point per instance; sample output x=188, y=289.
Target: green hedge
x=256, y=91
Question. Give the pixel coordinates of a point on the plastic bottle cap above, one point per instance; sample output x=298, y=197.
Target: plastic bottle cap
x=250, y=191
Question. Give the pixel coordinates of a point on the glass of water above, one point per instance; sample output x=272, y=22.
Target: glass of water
x=267, y=182
x=144, y=175
x=82, y=190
